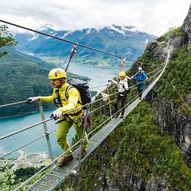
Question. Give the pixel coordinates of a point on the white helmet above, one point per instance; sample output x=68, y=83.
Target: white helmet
x=139, y=68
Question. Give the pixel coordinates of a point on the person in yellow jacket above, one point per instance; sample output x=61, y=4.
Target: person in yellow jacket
x=69, y=112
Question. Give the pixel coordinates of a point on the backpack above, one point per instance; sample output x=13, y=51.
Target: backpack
x=127, y=91
x=82, y=87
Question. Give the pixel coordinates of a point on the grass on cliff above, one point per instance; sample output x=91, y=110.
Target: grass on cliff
x=148, y=154
x=173, y=32
x=177, y=74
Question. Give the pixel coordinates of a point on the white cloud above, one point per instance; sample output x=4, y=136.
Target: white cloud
x=151, y=16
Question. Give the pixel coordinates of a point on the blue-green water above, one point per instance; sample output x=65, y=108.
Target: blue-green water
x=98, y=77
x=40, y=146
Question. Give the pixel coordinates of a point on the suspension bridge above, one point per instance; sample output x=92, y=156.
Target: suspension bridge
x=56, y=175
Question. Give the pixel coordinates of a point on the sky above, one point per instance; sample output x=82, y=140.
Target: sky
x=151, y=16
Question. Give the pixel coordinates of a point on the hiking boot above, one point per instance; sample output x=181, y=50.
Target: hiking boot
x=84, y=152
x=64, y=160
x=122, y=116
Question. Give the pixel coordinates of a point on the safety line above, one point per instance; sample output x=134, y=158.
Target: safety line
x=15, y=103
x=180, y=97
x=22, y=146
x=100, y=107
x=53, y=162
x=95, y=128
x=113, y=115
x=20, y=102
x=24, y=129
x=64, y=40
x=41, y=122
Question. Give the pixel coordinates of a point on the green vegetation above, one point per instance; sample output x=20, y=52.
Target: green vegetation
x=7, y=178
x=136, y=147
x=6, y=39
x=136, y=150
x=10, y=180
x=173, y=32
x=177, y=74
x=148, y=154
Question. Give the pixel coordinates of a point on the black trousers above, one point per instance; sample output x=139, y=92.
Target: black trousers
x=119, y=99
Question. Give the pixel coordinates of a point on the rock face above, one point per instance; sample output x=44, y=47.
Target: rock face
x=186, y=27
x=176, y=124
x=167, y=117
x=157, y=50
x=170, y=121
x=132, y=182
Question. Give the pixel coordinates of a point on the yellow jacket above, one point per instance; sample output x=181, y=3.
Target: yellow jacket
x=72, y=103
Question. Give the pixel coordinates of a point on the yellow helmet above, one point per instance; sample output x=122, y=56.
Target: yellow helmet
x=57, y=73
x=122, y=74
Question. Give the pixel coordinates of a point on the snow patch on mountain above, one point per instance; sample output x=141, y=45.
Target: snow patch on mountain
x=117, y=29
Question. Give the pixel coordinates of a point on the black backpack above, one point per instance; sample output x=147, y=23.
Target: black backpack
x=82, y=87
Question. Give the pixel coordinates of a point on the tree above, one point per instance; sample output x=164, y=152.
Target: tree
x=7, y=177
x=6, y=39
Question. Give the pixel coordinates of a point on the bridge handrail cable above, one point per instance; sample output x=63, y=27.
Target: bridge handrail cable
x=44, y=121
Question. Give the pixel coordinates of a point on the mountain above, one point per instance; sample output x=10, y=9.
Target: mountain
x=125, y=41
x=151, y=149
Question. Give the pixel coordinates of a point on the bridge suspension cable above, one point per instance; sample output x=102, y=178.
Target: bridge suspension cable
x=73, y=146
x=22, y=146
x=91, y=132
x=104, y=85
x=179, y=95
x=64, y=40
x=44, y=121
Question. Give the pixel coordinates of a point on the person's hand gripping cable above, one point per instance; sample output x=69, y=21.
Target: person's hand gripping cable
x=56, y=114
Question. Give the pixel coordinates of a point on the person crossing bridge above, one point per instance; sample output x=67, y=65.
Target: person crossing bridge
x=68, y=113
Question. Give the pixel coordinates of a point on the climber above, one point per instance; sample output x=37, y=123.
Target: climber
x=68, y=113
x=140, y=76
x=123, y=89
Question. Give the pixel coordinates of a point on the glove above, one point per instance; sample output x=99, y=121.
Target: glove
x=32, y=99
x=56, y=114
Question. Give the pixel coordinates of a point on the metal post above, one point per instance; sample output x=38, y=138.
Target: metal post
x=110, y=110
x=46, y=131
x=122, y=64
x=83, y=133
